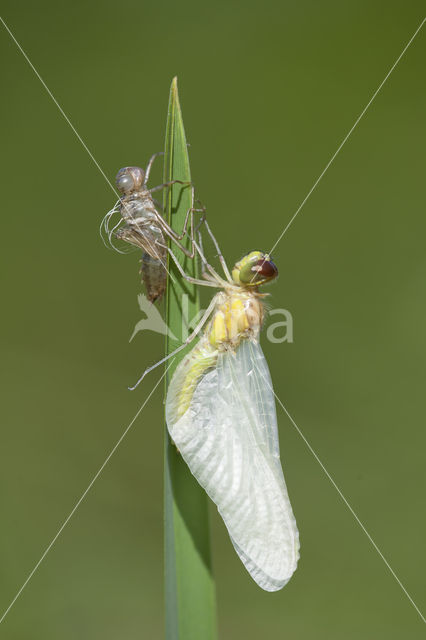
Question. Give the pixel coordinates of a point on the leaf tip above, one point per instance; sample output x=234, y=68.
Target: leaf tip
x=174, y=86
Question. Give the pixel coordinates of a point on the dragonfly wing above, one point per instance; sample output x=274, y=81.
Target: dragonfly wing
x=228, y=437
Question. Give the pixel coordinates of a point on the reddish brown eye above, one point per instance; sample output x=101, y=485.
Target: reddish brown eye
x=266, y=268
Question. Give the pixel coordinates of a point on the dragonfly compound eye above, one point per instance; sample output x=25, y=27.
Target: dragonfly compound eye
x=254, y=269
x=129, y=179
x=266, y=268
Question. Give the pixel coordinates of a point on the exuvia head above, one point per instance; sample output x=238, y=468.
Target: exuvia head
x=254, y=269
x=130, y=179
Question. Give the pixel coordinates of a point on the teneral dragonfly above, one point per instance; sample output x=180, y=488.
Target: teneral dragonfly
x=220, y=412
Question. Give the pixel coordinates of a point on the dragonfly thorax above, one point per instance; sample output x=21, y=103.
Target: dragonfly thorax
x=137, y=207
x=238, y=315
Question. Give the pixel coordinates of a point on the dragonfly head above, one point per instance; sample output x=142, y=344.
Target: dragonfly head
x=129, y=179
x=254, y=269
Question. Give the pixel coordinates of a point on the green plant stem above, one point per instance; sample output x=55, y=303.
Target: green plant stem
x=189, y=585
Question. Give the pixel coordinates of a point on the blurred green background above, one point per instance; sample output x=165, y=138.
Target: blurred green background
x=268, y=92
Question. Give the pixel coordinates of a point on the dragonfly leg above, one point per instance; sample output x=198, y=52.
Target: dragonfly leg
x=209, y=268
x=170, y=232
x=202, y=221
x=190, y=216
x=200, y=242
x=219, y=253
x=189, y=219
x=149, y=165
x=176, y=237
x=204, y=273
x=217, y=284
x=189, y=339
x=168, y=184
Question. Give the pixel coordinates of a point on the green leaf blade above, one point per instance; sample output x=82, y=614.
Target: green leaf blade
x=189, y=585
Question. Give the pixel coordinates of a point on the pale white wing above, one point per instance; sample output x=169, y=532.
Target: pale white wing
x=228, y=437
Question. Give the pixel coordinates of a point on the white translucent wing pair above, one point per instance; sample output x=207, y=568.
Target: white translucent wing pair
x=229, y=439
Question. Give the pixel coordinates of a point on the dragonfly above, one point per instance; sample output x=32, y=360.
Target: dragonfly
x=220, y=413
x=141, y=224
